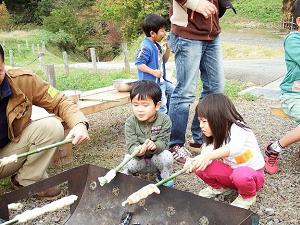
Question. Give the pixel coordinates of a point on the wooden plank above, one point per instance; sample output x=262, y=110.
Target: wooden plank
x=102, y=99
x=106, y=98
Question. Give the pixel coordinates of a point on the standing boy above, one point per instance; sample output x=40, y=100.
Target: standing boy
x=148, y=130
x=151, y=57
x=290, y=95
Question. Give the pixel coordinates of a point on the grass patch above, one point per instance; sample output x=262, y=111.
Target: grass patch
x=239, y=51
x=85, y=80
x=233, y=88
x=4, y=183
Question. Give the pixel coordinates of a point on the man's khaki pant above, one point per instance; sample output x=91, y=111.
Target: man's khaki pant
x=33, y=168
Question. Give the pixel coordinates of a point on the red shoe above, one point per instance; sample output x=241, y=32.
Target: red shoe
x=180, y=153
x=271, y=160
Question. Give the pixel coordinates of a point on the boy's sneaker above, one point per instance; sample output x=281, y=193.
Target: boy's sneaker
x=180, y=153
x=194, y=146
x=244, y=203
x=210, y=192
x=271, y=159
x=170, y=183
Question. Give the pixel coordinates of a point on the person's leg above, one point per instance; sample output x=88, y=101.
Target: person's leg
x=169, y=91
x=212, y=76
x=216, y=175
x=248, y=182
x=163, y=104
x=291, y=106
x=187, y=60
x=164, y=163
x=134, y=165
x=33, y=168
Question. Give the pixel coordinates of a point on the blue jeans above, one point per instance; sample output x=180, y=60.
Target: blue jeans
x=192, y=57
x=167, y=89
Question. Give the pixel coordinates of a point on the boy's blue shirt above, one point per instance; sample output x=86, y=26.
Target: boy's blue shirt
x=148, y=54
x=292, y=60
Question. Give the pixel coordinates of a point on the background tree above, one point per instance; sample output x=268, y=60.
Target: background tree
x=128, y=14
x=4, y=17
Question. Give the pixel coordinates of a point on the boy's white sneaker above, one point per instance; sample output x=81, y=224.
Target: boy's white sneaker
x=244, y=203
x=210, y=192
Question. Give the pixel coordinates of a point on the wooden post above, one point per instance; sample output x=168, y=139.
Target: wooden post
x=38, y=48
x=43, y=47
x=126, y=61
x=41, y=59
x=27, y=44
x=19, y=49
x=33, y=49
x=50, y=74
x=93, y=56
x=65, y=57
x=292, y=24
x=11, y=58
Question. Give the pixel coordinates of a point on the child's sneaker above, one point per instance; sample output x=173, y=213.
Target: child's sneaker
x=271, y=159
x=180, y=153
x=244, y=203
x=170, y=183
x=210, y=192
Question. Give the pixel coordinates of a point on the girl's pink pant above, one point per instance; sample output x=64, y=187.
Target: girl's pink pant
x=245, y=180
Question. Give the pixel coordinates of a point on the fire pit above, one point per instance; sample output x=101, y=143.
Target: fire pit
x=102, y=205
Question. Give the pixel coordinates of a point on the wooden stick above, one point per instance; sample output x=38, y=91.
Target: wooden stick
x=112, y=173
x=15, y=157
x=179, y=172
x=135, y=152
x=39, y=211
x=66, y=141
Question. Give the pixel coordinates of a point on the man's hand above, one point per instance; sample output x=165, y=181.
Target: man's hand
x=79, y=134
x=206, y=8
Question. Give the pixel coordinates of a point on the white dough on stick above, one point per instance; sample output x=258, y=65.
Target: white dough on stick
x=53, y=206
x=9, y=159
x=143, y=193
x=15, y=206
x=108, y=177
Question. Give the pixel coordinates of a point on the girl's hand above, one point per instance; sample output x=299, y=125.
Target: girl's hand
x=200, y=162
x=188, y=164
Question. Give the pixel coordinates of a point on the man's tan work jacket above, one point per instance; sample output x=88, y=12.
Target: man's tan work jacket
x=28, y=89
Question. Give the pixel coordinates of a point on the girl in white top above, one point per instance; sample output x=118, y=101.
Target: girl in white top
x=230, y=158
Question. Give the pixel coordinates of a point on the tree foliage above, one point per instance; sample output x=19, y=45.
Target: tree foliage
x=4, y=17
x=129, y=14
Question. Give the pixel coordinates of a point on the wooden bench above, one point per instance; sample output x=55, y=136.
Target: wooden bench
x=89, y=102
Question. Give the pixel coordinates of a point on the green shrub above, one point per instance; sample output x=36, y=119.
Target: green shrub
x=63, y=40
x=263, y=11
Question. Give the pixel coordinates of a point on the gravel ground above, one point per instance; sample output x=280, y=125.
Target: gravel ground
x=278, y=202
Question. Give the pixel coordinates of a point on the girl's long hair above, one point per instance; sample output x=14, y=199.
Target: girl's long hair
x=220, y=114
